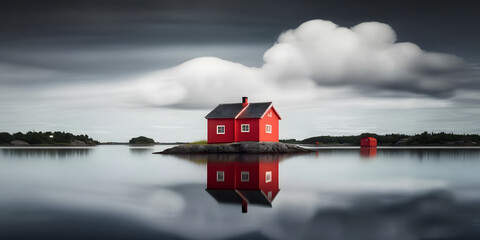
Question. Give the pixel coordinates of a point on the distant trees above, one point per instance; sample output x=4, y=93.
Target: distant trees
x=141, y=140
x=5, y=137
x=442, y=137
x=424, y=138
x=46, y=138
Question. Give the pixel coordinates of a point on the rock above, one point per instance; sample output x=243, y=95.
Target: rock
x=19, y=143
x=78, y=142
x=401, y=142
x=242, y=147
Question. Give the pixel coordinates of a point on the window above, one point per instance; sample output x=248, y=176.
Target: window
x=269, y=113
x=245, y=176
x=268, y=176
x=268, y=128
x=220, y=129
x=220, y=176
x=245, y=127
x=269, y=195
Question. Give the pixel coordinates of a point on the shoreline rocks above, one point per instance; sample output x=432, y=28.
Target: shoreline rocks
x=76, y=142
x=242, y=147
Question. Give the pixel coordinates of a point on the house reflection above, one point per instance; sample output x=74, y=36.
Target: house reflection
x=243, y=179
x=368, y=152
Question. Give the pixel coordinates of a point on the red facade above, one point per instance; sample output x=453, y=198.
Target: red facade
x=227, y=136
x=271, y=118
x=260, y=123
x=368, y=142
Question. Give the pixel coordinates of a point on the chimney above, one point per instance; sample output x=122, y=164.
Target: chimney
x=244, y=101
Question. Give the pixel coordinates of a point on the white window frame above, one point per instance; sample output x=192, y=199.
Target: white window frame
x=268, y=128
x=222, y=179
x=247, y=127
x=269, y=113
x=218, y=126
x=247, y=173
x=268, y=176
x=269, y=195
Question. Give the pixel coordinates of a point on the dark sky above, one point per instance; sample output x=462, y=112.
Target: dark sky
x=47, y=44
x=50, y=34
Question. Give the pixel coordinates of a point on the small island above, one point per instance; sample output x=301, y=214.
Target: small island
x=237, y=147
x=142, y=140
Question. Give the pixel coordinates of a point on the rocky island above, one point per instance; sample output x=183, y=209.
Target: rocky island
x=241, y=147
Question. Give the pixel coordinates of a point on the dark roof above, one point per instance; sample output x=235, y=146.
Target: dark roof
x=255, y=110
x=256, y=197
x=231, y=110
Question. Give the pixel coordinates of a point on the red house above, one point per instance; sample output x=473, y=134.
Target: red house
x=368, y=142
x=243, y=182
x=237, y=122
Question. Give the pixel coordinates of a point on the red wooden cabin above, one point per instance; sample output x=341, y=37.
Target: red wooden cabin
x=368, y=142
x=243, y=182
x=238, y=122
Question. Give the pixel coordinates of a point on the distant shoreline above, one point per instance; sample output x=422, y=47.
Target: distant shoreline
x=299, y=144
x=126, y=143
x=87, y=145
x=307, y=146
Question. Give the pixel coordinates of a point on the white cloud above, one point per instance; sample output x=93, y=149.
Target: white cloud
x=365, y=55
x=314, y=63
x=303, y=65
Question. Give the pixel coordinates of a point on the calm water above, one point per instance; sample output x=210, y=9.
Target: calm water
x=122, y=192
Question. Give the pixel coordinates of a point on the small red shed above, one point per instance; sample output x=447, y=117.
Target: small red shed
x=368, y=142
x=238, y=122
x=243, y=182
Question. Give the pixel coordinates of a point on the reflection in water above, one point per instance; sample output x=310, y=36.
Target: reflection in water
x=52, y=153
x=405, y=194
x=251, y=179
x=241, y=179
x=416, y=154
x=368, y=152
x=445, y=154
x=141, y=150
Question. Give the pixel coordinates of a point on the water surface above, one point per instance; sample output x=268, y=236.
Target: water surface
x=123, y=192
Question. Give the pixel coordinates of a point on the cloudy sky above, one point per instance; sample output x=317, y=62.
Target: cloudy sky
x=119, y=69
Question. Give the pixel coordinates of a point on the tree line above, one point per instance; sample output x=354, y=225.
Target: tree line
x=47, y=138
x=424, y=138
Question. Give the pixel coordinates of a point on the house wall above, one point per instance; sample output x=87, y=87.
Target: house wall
x=213, y=137
x=367, y=142
x=229, y=173
x=270, y=120
x=253, y=135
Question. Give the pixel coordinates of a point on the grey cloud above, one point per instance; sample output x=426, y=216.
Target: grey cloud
x=37, y=30
x=301, y=67
x=304, y=62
